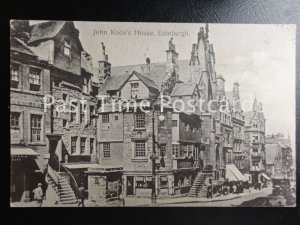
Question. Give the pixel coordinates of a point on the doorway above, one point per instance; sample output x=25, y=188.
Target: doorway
x=130, y=185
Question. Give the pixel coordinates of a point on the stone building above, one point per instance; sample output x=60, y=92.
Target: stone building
x=255, y=140
x=72, y=138
x=133, y=131
x=29, y=83
x=109, y=143
x=278, y=156
x=186, y=136
x=239, y=156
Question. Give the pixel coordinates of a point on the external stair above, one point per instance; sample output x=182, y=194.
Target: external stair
x=198, y=184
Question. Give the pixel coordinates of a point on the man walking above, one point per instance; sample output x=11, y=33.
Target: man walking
x=38, y=195
x=81, y=195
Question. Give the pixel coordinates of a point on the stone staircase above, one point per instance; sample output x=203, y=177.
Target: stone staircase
x=198, y=184
x=63, y=189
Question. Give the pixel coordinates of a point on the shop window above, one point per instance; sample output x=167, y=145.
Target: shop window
x=163, y=181
x=35, y=79
x=140, y=149
x=36, y=127
x=140, y=120
x=82, y=145
x=106, y=150
x=73, y=145
x=143, y=182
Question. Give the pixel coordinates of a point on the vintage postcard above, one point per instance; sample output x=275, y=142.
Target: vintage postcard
x=118, y=114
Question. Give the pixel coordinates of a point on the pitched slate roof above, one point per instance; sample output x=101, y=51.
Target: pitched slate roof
x=115, y=83
x=272, y=151
x=86, y=62
x=45, y=30
x=158, y=71
x=183, y=89
x=19, y=46
x=146, y=80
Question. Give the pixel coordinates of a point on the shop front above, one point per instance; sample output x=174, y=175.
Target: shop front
x=104, y=183
x=25, y=173
x=183, y=181
x=141, y=185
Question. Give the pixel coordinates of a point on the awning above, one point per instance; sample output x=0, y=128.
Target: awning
x=80, y=165
x=233, y=173
x=266, y=176
x=22, y=151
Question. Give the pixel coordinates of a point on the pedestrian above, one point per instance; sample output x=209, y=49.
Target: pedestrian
x=38, y=195
x=81, y=195
x=234, y=188
x=225, y=190
x=209, y=191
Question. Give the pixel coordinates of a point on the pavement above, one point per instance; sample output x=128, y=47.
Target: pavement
x=192, y=201
x=220, y=201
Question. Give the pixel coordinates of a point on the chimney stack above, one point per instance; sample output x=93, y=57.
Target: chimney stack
x=103, y=65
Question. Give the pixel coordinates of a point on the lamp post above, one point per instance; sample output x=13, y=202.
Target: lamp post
x=153, y=158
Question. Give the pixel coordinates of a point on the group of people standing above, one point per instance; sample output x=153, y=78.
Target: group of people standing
x=225, y=188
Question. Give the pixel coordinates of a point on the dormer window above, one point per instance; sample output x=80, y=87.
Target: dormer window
x=35, y=79
x=67, y=47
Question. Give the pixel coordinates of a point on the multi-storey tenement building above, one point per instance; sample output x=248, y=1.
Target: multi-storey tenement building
x=176, y=158
x=109, y=143
x=29, y=79
x=238, y=121
x=255, y=140
x=186, y=136
x=72, y=140
x=278, y=156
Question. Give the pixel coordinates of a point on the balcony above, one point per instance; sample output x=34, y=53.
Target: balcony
x=78, y=158
x=183, y=163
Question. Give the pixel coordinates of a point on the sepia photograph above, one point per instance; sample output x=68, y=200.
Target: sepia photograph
x=132, y=114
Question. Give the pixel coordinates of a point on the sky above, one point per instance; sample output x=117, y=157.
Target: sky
x=261, y=58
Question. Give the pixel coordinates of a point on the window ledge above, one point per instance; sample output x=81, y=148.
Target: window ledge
x=106, y=158
x=40, y=93
x=139, y=159
x=140, y=128
x=37, y=143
